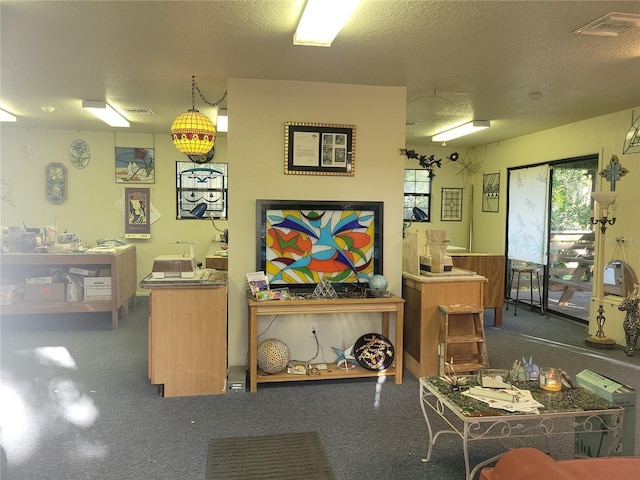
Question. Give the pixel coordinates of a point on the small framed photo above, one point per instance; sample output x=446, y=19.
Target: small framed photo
x=319, y=149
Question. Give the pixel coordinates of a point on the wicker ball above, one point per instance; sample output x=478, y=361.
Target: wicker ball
x=273, y=355
x=378, y=282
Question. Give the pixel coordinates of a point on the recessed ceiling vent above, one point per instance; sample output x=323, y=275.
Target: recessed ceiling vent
x=139, y=111
x=611, y=25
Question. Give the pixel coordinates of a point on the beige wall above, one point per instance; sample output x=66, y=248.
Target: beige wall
x=254, y=150
x=258, y=110
x=255, y=153
x=449, y=175
x=601, y=135
x=90, y=208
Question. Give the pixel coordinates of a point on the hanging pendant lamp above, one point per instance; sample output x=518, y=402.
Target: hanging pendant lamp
x=192, y=132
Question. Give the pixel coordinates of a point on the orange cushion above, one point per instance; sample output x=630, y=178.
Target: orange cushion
x=531, y=463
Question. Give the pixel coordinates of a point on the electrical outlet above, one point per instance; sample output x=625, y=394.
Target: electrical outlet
x=313, y=329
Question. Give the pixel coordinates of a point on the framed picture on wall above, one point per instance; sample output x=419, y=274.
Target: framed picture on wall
x=319, y=149
x=135, y=165
x=137, y=213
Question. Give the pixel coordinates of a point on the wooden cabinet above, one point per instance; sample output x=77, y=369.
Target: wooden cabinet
x=188, y=339
x=422, y=295
x=492, y=267
x=121, y=262
x=384, y=306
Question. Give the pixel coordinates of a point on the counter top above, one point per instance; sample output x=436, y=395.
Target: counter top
x=203, y=278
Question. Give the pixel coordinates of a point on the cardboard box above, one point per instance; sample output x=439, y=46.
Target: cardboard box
x=44, y=293
x=39, y=280
x=594, y=444
x=97, y=287
x=84, y=272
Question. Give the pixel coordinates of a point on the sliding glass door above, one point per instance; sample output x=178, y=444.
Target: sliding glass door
x=569, y=273
x=548, y=226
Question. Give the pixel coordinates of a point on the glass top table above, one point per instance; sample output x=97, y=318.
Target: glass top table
x=566, y=412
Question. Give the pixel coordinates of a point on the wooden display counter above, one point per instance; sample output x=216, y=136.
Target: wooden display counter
x=422, y=295
x=383, y=306
x=492, y=267
x=120, y=260
x=188, y=336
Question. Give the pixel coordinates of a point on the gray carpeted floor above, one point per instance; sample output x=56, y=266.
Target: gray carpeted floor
x=77, y=404
x=288, y=456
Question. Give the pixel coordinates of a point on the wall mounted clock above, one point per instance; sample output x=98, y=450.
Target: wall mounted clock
x=56, y=179
x=79, y=154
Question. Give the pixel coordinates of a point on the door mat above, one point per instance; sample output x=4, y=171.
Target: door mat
x=288, y=456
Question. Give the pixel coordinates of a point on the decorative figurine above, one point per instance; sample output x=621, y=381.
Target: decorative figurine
x=518, y=373
x=533, y=371
x=631, y=322
x=457, y=382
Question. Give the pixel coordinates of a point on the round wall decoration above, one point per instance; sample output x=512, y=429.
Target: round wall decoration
x=374, y=351
x=79, y=153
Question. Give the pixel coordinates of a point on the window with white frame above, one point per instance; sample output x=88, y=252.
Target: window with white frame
x=417, y=192
x=201, y=184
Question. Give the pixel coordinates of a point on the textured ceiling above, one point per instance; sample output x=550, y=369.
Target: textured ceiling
x=459, y=60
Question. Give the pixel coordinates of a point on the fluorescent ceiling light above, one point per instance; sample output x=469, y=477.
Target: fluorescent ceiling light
x=461, y=131
x=322, y=20
x=105, y=112
x=610, y=25
x=7, y=117
x=222, y=125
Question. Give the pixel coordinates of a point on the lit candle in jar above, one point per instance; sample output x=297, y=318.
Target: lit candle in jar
x=550, y=379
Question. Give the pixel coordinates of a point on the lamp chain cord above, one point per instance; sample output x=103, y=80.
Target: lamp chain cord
x=194, y=87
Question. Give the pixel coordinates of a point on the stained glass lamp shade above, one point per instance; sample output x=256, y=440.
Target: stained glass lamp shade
x=193, y=133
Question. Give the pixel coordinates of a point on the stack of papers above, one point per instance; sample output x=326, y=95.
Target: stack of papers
x=511, y=400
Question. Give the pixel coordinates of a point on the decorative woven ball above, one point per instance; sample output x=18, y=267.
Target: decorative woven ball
x=273, y=355
x=378, y=282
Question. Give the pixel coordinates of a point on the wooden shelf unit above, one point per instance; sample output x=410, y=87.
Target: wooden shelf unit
x=384, y=306
x=124, y=281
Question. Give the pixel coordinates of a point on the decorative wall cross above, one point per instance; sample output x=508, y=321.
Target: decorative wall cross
x=614, y=172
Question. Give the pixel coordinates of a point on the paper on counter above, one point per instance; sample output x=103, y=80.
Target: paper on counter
x=525, y=404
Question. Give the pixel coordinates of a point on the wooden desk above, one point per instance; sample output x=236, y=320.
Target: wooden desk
x=383, y=306
x=122, y=264
x=423, y=294
x=492, y=267
x=188, y=338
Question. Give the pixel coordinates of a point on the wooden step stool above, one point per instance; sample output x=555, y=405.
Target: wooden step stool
x=462, y=340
